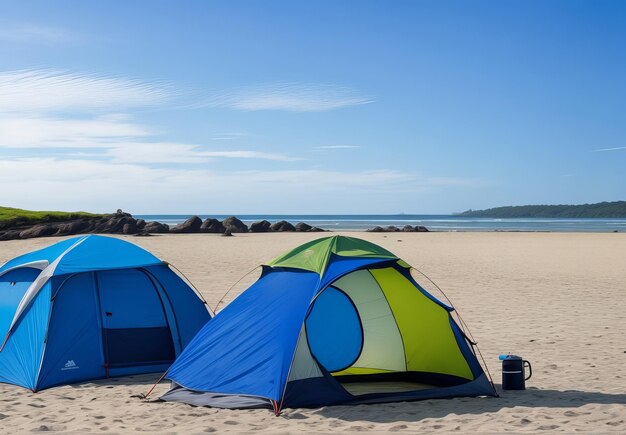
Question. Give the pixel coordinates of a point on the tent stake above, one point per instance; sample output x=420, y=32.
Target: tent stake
x=154, y=386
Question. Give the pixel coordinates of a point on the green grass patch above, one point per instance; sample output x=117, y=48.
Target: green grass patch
x=17, y=215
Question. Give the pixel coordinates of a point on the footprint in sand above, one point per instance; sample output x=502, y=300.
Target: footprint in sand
x=44, y=428
x=398, y=427
x=548, y=427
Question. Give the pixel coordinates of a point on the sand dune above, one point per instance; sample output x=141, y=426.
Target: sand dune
x=557, y=299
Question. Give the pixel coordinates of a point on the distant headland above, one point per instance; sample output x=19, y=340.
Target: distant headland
x=603, y=210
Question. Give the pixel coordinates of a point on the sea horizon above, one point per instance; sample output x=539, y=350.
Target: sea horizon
x=434, y=222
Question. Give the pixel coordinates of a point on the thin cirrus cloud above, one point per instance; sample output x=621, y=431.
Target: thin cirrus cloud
x=120, y=138
x=161, y=187
x=46, y=90
x=337, y=147
x=293, y=97
x=610, y=149
x=65, y=172
x=166, y=152
x=55, y=132
x=72, y=123
x=49, y=110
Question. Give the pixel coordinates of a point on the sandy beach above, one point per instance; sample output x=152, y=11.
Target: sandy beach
x=557, y=299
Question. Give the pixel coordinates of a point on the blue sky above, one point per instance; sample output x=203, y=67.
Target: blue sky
x=311, y=107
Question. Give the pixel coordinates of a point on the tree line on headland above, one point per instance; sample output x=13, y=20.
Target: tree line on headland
x=605, y=210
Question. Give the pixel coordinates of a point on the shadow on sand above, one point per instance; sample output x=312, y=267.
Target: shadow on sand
x=128, y=381
x=532, y=398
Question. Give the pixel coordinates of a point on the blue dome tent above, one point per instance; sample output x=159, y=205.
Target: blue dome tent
x=338, y=320
x=92, y=307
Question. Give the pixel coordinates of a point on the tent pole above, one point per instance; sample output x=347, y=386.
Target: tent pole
x=232, y=286
x=463, y=327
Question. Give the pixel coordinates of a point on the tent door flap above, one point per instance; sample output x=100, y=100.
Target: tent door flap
x=135, y=331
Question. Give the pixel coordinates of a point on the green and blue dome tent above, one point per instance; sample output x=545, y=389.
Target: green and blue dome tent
x=91, y=307
x=338, y=320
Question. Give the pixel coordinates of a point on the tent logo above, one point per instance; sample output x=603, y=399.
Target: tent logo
x=70, y=365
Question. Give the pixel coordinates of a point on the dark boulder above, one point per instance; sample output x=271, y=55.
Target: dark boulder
x=301, y=226
x=212, y=226
x=260, y=227
x=8, y=224
x=140, y=223
x=227, y=233
x=130, y=228
x=394, y=229
x=191, y=225
x=75, y=227
x=234, y=225
x=10, y=235
x=316, y=230
x=156, y=227
x=282, y=226
x=421, y=229
x=42, y=230
x=119, y=213
x=112, y=225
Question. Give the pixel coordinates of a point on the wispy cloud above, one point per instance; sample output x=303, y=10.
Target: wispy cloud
x=49, y=111
x=65, y=133
x=118, y=137
x=167, y=152
x=609, y=149
x=45, y=91
x=294, y=97
x=34, y=33
x=337, y=147
x=229, y=136
x=55, y=132
x=249, y=155
x=31, y=182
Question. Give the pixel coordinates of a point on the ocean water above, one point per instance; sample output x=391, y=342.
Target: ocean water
x=432, y=222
